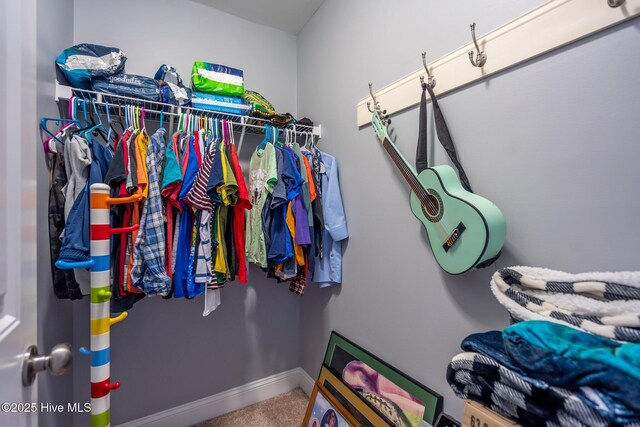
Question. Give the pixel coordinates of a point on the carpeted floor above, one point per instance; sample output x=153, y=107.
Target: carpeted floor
x=285, y=410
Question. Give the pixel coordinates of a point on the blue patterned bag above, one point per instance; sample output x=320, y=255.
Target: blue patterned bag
x=140, y=87
x=85, y=61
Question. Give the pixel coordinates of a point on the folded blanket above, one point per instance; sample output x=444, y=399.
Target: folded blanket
x=480, y=378
x=566, y=357
x=608, y=392
x=606, y=304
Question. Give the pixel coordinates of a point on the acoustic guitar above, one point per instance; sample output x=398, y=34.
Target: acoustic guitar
x=464, y=230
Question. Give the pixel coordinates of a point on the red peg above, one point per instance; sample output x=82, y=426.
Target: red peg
x=123, y=230
x=102, y=388
x=113, y=386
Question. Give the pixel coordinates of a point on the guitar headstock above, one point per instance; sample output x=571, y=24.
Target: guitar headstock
x=379, y=120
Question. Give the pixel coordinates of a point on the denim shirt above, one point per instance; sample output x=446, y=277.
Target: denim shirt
x=328, y=269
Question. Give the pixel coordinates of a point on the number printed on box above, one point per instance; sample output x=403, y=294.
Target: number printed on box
x=476, y=415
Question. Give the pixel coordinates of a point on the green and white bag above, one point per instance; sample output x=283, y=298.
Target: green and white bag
x=217, y=79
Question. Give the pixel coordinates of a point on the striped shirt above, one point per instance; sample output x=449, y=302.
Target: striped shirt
x=197, y=196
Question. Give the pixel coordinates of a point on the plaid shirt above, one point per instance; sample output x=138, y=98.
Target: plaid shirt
x=148, y=271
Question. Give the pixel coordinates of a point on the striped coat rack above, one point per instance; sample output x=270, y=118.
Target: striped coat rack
x=101, y=321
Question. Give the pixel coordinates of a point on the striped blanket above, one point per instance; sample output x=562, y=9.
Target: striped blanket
x=606, y=304
x=532, y=403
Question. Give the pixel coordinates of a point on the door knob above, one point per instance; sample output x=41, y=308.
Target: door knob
x=57, y=363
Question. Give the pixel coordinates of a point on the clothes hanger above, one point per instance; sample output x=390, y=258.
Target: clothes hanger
x=137, y=116
x=84, y=109
x=306, y=142
x=49, y=144
x=106, y=107
x=117, y=120
x=277, y=136
x=89, y=125
x=266, y=139
x=232, y=139
x=48, y=147
x=133, y=118
x=209, y=136
x=89, y=131
x=180, y=128
x=213, y=142
x=86, y=120
x=225, y=130
x=218, y=131
x=126, y=116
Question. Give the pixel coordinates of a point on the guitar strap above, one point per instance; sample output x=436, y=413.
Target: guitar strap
x=422, y=158
x=443, y=134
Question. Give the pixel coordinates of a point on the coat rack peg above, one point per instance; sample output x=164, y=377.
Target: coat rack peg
x=615, y=3
x=376, y=105
x=111, y=387
x=119, y=318
x=431, y=81
x=369, y=107
x=480, y=57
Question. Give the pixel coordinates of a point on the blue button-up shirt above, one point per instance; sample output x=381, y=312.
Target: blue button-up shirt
x=328, y=269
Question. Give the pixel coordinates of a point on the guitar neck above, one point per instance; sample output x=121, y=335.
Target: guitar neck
x=407, y=171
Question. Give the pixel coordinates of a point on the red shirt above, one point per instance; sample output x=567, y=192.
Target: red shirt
x=238, y=215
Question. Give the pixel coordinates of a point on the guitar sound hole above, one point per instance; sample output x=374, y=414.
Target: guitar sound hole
x=432, y=206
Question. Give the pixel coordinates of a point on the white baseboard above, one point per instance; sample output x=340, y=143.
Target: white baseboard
x=306, y=382
x=227, y=401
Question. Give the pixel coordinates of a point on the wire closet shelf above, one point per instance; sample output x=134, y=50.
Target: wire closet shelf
x=154, y=110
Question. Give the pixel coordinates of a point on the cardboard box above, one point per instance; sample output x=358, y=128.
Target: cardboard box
x=477, y=415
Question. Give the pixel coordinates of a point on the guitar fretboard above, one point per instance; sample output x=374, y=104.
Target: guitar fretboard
x=406, y=172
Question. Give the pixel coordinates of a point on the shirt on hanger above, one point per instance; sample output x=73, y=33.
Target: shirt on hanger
x=328, y=268
x=263, y=176
x=239, y=216
x=148, y=272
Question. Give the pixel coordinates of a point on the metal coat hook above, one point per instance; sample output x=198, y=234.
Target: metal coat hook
x=375, y=103
x=615, y=3
x=481, y=57
x=376, y=106
x=431, y=81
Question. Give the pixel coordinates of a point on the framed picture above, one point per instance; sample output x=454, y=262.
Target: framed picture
x=324, y=411
x=382, y=384
x=362, y=410
x=447, y=421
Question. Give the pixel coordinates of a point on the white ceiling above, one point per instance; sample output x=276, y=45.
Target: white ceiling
x=286, y=15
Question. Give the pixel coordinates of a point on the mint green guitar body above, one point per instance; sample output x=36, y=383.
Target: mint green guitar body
x=465, y=230
x=483, y=225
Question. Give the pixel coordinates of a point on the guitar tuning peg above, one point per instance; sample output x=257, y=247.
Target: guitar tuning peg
x=384, y=112
x=389, y=121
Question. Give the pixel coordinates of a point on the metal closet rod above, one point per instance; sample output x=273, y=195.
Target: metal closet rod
x=118, y=110
x=119, y=101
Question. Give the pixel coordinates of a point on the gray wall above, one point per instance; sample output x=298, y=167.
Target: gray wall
x=554, y=143
x=55, y=317
x=166, y=354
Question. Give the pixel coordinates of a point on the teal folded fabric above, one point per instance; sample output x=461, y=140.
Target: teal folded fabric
x=574, y=344
x=606, y=372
